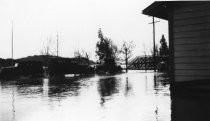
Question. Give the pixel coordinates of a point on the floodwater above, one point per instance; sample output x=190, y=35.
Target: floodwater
x=136, y=96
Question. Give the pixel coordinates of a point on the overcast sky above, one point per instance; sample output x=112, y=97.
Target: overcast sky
x=77, y=23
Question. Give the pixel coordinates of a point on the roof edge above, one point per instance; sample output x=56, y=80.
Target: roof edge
x=158, y=9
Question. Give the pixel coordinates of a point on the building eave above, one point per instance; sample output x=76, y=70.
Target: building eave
x=158, y=9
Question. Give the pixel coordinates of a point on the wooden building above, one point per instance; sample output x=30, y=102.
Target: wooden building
x=189, y=38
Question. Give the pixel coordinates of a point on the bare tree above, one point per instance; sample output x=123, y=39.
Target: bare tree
x=82, y=54
x=77, y=54
x=127, y=49
x=156, y=50
x=47, y=48
x=87, y=55
x=144, y=50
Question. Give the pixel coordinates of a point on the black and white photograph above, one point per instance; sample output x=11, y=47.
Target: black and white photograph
x=104, y=60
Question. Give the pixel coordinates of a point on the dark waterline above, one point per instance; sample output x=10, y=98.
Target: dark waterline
x=136, y=96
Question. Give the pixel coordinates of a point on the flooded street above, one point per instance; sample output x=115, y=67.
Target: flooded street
x=136, y=96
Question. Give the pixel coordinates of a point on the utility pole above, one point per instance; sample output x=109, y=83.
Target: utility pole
x=57, y=44
x=12, y=42
x=154, y=51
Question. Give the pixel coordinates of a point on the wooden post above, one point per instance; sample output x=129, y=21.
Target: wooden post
x=154, y=51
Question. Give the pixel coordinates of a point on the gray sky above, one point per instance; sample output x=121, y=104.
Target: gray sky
x=77, y=23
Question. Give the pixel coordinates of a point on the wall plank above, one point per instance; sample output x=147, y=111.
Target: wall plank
x=192, y=21
x=191, y=28
x=192, y=14
x=191, y=8
x=192, y=60
x=192, y=72
x=192, y=47
x=198, y=66
x=194, y=40
x=192, y=53
x=189, y=78
x=191, y=34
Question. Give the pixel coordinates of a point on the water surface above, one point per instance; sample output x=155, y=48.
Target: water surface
x=136, y=96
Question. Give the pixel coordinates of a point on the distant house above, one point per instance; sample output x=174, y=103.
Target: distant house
x=43, y=59
x=189, y=38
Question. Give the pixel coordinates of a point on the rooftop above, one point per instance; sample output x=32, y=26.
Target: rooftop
x=160, y=9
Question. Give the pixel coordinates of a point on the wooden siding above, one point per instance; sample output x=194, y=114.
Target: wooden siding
x=193, y=66
x=192, y=59
x=194, y=40
x=191, y=27
x=194, y=72
x=192, y=53
x=189, y=78
x=188, y=11
x=171, y=44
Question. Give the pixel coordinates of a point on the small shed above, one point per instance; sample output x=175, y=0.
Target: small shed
x=189, y=38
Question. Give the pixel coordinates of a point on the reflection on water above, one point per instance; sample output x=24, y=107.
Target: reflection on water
x=134, y=96
x=107, y=87
x=13, y=105
x=128, y=88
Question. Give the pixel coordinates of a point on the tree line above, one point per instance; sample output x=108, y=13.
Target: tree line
x=109, y=54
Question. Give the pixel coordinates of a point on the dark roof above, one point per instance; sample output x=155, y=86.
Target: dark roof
x=161, y=9
x=41, y=58
x=158, y=9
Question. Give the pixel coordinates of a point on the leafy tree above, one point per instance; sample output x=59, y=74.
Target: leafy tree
x=163, y=50
x=107, y=52
x=105, y=47
x=127, y=49
x=164, y=54
x=115, y=51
